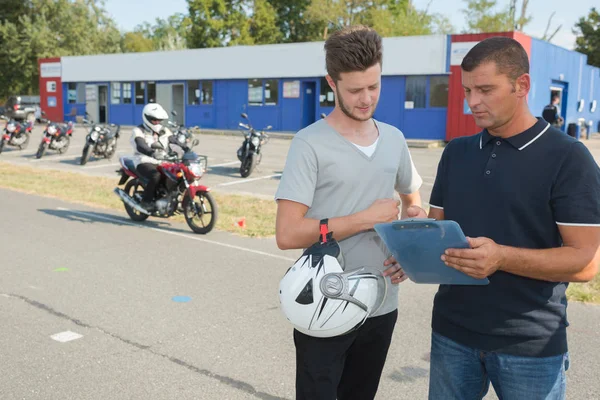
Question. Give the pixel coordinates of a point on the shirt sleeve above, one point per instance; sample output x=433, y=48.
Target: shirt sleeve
x=437, y=192
x=575, y=198
x=408, y=179
x=299, y=177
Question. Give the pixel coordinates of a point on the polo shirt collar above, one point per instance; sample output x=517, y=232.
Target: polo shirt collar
x=520, y=141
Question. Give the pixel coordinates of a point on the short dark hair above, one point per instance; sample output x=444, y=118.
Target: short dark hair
x=351, y=49
x=509, y=56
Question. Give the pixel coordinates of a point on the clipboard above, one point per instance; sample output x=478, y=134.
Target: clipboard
x=418, y=244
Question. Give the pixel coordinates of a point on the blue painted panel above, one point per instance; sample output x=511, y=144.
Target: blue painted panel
x=137, y=114
x=390, y=108
x=202, y=116
x=79, y=110
x=548, y=63
x=425, y=123
x=121, y=114
x=261, y=116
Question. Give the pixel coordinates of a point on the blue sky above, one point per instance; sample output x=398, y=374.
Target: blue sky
x=129, y=13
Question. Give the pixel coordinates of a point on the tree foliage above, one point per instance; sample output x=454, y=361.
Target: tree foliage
x=587, y=30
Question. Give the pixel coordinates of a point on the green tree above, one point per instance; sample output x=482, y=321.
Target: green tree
x=587, y=30
x=263, y=24
x=482, y=17
x=292, y=21
x=215, y=23
x=51, y=29
x=166, y=34
x=136, y=42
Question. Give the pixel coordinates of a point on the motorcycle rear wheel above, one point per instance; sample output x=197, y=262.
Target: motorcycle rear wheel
x=137, y=188
x=202, y=200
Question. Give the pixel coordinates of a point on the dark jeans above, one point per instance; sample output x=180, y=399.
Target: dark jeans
x=463, y=373
x=346, y=367
x=148, y=171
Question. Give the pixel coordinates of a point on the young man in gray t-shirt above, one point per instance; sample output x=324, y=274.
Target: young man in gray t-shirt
x=346, y=168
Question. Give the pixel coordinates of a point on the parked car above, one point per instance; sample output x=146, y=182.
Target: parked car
x=23, y=108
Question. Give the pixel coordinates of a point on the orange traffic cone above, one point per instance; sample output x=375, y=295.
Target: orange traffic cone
x=241, y=222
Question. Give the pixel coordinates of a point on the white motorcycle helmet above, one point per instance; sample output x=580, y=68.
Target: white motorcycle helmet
x=322, y=300
x=153, y=114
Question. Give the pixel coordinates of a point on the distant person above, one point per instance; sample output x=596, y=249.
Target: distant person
x=551, y=113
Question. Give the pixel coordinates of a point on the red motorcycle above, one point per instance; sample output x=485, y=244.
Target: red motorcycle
x=56, y=137
x=16, y=134
x=179, y=191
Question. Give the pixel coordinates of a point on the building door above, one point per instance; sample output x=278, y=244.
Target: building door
x=179, y=104
x=561, y=90
x=91, y=102
x=103, y=104
x=309, y=96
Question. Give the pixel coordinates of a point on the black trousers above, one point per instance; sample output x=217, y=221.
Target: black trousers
x=346, y=367
x=149, y=171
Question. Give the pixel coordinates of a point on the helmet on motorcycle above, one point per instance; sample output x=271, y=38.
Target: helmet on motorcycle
x=322, y=300
x=153, y=114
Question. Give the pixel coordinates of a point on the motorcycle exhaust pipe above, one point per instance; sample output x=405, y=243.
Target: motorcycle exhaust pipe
x=129, y=201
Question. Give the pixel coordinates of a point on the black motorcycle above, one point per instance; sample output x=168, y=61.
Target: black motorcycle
x=57, y=137
x=250, y=152
x=16, y=134
x=101, y=141
x=184, y=135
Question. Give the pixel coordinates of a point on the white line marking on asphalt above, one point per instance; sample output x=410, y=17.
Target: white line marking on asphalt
x=224, y=164
x=231, y=246
x=51, y=157
x=66, y=336
x=101, y=166
x=248, y=180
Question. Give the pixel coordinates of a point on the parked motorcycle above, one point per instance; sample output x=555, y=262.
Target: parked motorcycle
x=16, y=134
x=57, y=137
x=178, y=192
x=101, y=141
x=250, y=153
x=184, y=135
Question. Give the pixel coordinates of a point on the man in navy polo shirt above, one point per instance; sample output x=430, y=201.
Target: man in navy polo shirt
x=528, y=198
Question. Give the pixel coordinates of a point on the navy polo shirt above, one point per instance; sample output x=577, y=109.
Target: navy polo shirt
x=515, y=191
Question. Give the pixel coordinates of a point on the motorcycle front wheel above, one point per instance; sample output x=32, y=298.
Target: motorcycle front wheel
x=85, y=156
x=248, y=165
x=201, y=214
x=41, y=150
x=2, y=143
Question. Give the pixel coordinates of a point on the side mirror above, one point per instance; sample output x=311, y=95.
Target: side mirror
x=269, y=127
x=196, y=142
x=174, y=113
x=43, y=112
x=244, y=115
x=323, y=115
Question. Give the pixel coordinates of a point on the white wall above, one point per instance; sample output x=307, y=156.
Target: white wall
x=412, y=55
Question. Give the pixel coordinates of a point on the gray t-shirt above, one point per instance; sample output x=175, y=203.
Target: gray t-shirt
x=334, y=178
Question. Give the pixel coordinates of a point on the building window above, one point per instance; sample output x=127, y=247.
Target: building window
x=151, y=92
x=206, y=95
x=126, y=93
x=193, y=93
x=255, y=92
x=140, y=93
x=327, y=96
x=271, y=92
x=115, y=97
x=438, y=91
x=415, y=92
x=71, y=93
